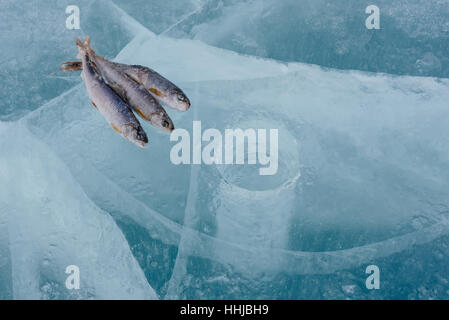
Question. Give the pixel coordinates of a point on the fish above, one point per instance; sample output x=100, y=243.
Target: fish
x=116, y=112
x=163, y=89
x=131, y=92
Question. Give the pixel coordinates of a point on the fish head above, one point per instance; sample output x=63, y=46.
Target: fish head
x=162, y=121
x=136, y=134
x=178, y=99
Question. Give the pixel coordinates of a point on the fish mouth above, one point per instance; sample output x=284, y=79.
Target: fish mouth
x=140, y=138
x=141, y=144
x=183, y=106
x=166, y=129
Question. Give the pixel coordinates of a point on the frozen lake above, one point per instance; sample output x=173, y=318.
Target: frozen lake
x=362, y=179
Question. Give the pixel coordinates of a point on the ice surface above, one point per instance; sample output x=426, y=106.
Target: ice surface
x=362, y=170
x=362, y=179
x=48, y=223
x=413, y=38
x=35, y=41
x=160, y=16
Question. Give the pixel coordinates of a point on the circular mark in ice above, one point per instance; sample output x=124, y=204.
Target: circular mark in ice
x=248, y=177
x=255, y=210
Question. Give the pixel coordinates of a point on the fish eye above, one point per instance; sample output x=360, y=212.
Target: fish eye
x=181, y=97
x=165, y=124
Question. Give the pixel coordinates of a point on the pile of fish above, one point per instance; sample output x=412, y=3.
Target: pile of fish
x=117, y=90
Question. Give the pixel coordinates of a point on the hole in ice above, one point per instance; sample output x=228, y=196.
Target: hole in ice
x=248, y=176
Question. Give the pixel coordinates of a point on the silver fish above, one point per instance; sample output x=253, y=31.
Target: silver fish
x=132, y=92
x=164, y=90
x=108, y=103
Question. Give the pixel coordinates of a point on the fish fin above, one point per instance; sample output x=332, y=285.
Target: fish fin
x=156, y=92
x=71, y=66
x=140, y=113
x=93, y=103
x=116, y=129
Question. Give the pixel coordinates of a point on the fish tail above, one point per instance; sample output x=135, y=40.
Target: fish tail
x=71, y=66
x=83, y=46
x=88, y=47
x=86, y=42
